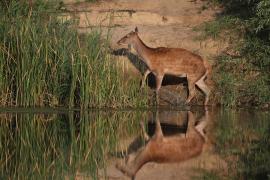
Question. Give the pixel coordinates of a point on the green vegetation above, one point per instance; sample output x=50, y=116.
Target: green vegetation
x=243, y=139
x=59, y=146
x=46, y=62
x=209, y=175
x=242, y=76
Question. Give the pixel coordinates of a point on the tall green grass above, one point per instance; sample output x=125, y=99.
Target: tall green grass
x=59, y=146
x=46, y=62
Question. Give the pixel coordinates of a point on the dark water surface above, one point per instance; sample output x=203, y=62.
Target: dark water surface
x=59, y=143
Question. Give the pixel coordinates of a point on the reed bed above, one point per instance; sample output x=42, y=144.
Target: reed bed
x=46, y=62
x=53, y=146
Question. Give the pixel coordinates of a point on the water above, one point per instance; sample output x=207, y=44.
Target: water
x=58, y=144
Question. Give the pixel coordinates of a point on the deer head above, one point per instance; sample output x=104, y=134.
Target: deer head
x=129, y=38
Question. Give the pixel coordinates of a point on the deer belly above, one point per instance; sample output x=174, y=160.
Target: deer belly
x=178, y=73
x=177, y=153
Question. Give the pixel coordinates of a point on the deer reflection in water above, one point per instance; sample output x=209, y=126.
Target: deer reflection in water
x=160, y=148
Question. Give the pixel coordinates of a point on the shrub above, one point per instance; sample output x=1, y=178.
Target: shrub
x=243, y=79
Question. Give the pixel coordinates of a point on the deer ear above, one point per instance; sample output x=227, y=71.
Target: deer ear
x=136, y=30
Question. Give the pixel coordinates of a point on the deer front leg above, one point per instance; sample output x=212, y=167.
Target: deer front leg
x=158, y=131
x=145, y=135
x=191, y=123
x=133, y=166
x=159, y=79
x=125, y=170
x=144, y=77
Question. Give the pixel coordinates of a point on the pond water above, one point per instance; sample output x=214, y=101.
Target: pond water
x=64, y=144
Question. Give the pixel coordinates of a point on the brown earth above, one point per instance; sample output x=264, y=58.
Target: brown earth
x=167, y=23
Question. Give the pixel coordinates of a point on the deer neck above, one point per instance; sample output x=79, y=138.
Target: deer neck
x=142, y=50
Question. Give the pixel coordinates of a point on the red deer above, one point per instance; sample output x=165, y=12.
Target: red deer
x=174, y=148
x=170, y=61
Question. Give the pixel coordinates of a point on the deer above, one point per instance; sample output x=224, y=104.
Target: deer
x=170, y=61
x=175, y=148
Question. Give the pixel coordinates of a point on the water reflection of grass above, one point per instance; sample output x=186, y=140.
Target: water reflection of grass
x=243, y=139
x=38, y=146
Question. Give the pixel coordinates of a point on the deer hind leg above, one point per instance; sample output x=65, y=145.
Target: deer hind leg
x=205, y=89
x=191, y=89
x=204, y=120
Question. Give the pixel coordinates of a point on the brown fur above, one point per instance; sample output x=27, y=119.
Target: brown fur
x=171, y=61
x=175, y=148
